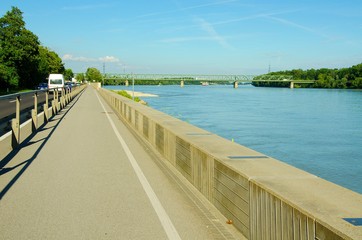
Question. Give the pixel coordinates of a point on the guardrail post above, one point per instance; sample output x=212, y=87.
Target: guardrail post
x=62, y=102
x=15, y=125
x=68, y=95
x=65, y=96
x=55, y=101
x=34, y=112
x=60, y=99
x=45, y=107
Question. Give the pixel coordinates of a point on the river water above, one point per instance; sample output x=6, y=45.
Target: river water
x=317, y=130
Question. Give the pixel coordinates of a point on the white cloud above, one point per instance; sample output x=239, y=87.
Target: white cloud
x=109, y=59
x=78, y=59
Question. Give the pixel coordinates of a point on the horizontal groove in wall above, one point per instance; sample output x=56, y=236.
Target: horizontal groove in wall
x=160, y=138
x=237, y=200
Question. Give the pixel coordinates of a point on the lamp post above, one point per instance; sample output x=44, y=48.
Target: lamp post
x=104, y=72
x=132, y=87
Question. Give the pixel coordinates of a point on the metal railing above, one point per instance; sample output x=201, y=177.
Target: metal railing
x=12, y=116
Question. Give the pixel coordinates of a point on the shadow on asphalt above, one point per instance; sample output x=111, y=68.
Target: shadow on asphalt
x=3, y=170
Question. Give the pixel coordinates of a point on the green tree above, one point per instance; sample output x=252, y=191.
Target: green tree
x=68, y=74
x=326, y=78
x=357, y=83
x=9, y=78
x=80, y=77
x=93, y=74
x=49, y=62
x=19, y=51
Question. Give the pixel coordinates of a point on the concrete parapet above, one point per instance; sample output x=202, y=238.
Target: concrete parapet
x=265, y=198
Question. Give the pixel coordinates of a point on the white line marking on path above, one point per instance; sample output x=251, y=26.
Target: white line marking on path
x=161, y=213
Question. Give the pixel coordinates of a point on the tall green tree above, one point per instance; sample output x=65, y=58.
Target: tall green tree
x=326, y=78
x=80, y=77
x=19, y=51
x=49, y=62
x=68, y=74
x=93, y=74
x=9, y=78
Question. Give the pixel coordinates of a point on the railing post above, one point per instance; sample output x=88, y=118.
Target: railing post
x=34, y=112
x=63, y=97
x=55, y=101
x=70, y=94
x=61, y=100
x=45, y=107
x=67, y=95
x=15, y=125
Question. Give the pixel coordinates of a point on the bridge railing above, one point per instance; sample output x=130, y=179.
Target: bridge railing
x=19, y=130
x=264, y=198
x=185, y=77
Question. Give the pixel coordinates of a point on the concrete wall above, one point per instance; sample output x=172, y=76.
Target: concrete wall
x=265, y=198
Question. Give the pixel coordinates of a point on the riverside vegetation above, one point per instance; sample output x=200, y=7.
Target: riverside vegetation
x=344, y=78
x=125, y=94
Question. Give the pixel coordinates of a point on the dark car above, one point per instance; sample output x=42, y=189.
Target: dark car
x=43, y=86
x=68, y=85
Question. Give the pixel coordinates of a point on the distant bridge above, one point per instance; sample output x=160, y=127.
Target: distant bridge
x=184, y=77
x=235, y=79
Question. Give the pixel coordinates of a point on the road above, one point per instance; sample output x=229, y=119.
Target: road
x=8, y=107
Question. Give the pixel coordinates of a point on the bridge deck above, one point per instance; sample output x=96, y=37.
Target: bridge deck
x=75, y=179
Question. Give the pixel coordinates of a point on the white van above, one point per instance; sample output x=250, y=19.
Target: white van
x=55, y=81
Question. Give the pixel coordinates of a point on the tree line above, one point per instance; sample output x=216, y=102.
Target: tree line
x=325, y=78
x=24, y=62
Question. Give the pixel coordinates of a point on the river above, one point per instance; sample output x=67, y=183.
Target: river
x=317, y=130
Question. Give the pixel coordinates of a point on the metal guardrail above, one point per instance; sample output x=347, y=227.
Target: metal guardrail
x=60, y=99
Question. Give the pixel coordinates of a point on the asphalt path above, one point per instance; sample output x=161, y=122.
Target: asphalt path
x=85, y=175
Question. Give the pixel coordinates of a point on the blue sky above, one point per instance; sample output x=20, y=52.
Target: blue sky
x=197, y=37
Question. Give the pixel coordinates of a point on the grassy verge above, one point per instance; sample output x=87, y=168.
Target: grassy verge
x=125, y=94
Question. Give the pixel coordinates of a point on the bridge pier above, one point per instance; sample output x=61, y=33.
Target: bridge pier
x=182, y=84
x=236, y=85
x=291, y=86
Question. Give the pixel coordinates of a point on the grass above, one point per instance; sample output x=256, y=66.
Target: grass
x=125, y=94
